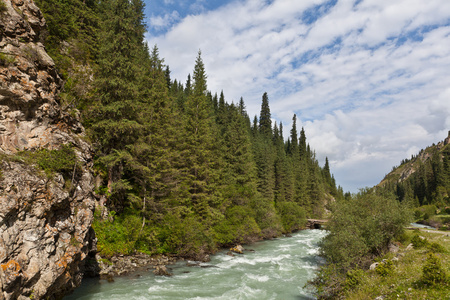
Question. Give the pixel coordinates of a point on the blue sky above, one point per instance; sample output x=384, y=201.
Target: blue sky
x=369, y=80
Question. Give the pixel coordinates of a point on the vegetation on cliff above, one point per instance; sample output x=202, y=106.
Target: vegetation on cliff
x=181, y=170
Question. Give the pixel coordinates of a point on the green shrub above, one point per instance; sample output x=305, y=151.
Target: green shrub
x=432, y=271
x=63, y=160
x=266, y=217
x=425, y=212
x=6, y=59
x=361, y=228
x=436, y=248
x=292, y=216
x=385, y=268
x=353, y=278
x=186, y=237
x=3, y=6
x=238, y=227
x=116, y=235
x=419, y=242
x=329, y=282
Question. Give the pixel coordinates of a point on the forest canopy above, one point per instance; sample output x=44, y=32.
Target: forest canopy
x=182, y=170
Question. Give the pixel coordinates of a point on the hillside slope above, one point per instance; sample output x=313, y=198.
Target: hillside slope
x=423, y=179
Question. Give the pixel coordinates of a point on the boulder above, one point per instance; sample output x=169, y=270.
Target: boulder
x=237, y=249
x=161, y=271
x=373, y=266
x=393, y=248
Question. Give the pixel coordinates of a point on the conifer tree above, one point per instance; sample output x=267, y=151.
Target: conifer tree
x=293, y=149
x=115, y=119
x=200, y=145
x=265, y=121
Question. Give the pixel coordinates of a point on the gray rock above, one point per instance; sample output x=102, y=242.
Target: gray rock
x=162, y=271
x=45, y=230
x=393, y=248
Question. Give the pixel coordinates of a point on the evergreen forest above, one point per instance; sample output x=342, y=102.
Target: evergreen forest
x=180, y=169
x=422, y=180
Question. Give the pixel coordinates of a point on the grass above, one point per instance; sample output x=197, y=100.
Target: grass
x=6, y=59
x=407, y=280
x=3, y=7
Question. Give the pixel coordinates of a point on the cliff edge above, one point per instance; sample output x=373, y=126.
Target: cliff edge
x=45, y=217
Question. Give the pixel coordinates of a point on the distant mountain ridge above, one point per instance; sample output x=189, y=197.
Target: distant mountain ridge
x=425, y=176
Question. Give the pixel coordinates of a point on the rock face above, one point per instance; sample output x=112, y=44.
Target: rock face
x=45, y=227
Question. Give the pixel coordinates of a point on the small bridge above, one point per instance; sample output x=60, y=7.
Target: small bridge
x=315, y=223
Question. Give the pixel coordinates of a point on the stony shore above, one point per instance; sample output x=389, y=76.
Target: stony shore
x=126, y=264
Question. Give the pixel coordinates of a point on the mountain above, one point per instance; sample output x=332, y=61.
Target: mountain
x=424, y=178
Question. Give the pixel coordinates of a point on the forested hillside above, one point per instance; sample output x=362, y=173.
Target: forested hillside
x=424, y=179
x=180, y=169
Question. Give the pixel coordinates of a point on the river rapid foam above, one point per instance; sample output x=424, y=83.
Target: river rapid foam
x=276, y=269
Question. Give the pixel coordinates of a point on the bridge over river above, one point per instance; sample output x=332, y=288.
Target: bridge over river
x=316, y=223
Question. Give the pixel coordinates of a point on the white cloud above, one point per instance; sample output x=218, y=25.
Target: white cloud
x=368, y=82
x=164, y=22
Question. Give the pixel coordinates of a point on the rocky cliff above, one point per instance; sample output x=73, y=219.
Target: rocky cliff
x=45, y=218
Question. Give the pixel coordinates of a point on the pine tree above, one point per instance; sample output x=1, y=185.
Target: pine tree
x=240, y=164
x=265, y=121
x=293, y=149
x=115, y=122
x=201, y=148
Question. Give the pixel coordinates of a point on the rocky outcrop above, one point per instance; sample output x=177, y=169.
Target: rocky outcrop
x=124, y=265
x=30, y=117
x=45, y=223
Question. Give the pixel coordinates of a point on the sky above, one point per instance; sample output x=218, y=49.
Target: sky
x=369, y=80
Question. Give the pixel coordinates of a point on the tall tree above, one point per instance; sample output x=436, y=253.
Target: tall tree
x=115, y=119
x=201, y=146
x=265, y=121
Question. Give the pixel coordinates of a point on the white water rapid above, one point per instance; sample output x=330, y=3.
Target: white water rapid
x=277, y=269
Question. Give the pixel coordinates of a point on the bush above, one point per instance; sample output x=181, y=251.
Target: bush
x=418, y=242
x=239, y=226
x=6, y=59
x=432, y=271
x=353, y=278
x=425, y=212
x=361, y=228
x=187, y=237
x=385, y=268
x=116, y=235
x=3, y=6
x=63, y=160
x=292, y=216
x=436, y=248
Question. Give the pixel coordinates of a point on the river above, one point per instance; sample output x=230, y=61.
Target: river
x=277, y=269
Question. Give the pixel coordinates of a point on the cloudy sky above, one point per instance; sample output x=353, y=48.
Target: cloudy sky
x=369, y=80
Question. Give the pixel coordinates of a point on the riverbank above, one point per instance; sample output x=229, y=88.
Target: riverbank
x=276, y=269
x=419, y=270
x=123, y=265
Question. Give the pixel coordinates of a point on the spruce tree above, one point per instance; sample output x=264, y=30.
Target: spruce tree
x=115, y=122
x=200, y=150
x=265, y=121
